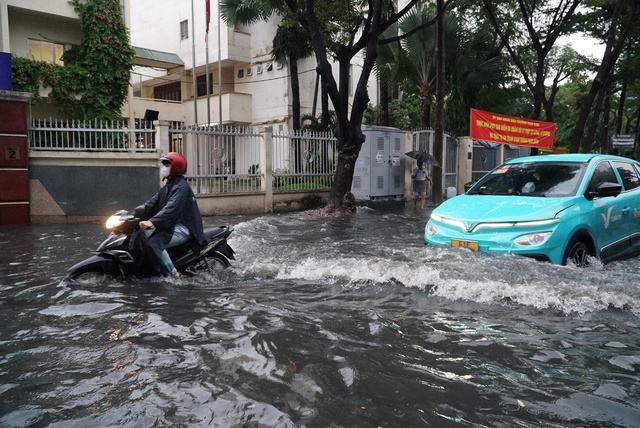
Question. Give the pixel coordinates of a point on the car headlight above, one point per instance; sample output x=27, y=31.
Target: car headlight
x=114, y=221
x=530, y=239
x=431, y=229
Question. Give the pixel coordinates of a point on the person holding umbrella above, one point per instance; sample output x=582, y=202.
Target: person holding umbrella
x=420, y=176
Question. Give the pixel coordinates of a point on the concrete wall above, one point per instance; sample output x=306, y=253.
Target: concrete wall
x=69, y=187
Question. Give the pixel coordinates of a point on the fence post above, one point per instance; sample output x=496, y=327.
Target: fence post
x=162, y=136
x=408, y=164
x=266, y=166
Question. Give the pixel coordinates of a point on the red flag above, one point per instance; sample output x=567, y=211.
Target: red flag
x=208, y=7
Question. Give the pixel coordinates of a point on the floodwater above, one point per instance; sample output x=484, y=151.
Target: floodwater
x=321, y=322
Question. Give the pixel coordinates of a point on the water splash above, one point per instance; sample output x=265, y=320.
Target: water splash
x=339, y=251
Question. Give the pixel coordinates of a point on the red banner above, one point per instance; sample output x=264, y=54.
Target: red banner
x=515, y=131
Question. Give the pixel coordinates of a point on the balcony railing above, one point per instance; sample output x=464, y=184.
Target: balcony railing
x=106, y=136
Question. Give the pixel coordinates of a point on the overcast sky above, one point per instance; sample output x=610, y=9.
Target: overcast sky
x=584, y=45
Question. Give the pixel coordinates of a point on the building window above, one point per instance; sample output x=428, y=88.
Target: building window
x=40, y=50
x=170, y=92
x=184, y=30
x=202, y=85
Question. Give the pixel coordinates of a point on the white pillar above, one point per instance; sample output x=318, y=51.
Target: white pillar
x=408, y=146
x=266, y=166
x=465, y=162
x=5, y=44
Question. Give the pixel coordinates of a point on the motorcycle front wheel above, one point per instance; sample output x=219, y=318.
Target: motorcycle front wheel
x=88, y=277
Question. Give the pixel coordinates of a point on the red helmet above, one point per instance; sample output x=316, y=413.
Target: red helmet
x=177, y=161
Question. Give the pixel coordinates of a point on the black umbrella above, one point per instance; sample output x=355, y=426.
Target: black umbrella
x=423, y=157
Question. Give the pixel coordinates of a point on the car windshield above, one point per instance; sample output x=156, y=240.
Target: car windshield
x=543, y=179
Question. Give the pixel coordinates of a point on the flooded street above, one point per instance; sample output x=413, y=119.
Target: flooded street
x=320, y=322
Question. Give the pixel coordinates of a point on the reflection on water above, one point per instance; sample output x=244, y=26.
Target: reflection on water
x=320, y=322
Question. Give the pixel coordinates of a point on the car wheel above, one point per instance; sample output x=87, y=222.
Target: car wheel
x=578, y=254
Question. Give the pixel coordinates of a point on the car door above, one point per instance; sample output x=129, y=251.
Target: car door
x=606, y=215
x=630, y=221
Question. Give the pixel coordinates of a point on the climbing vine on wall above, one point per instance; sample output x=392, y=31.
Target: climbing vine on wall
x=94, y=82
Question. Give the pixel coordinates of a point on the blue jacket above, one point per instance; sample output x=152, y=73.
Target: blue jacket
x=174, y=203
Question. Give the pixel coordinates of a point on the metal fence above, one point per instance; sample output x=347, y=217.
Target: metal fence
x=73, y=135
x=423, y=140
x=226, y=160
x=221, y=160
x=303, y=161
x=233, y=160
x=486, y=156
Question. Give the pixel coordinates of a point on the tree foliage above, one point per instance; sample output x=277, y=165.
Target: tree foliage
x=623, y=15
x=404, y=113
x=543, y=22
x=105, y=54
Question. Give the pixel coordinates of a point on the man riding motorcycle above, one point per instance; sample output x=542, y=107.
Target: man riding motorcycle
x=171, y=217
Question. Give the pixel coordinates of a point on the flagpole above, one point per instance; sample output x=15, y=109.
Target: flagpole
x=208, y=82
x=193, y=59
x=219, y=72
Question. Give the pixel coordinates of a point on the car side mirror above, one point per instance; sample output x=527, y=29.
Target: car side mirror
x=468, y=186
x=605, y=189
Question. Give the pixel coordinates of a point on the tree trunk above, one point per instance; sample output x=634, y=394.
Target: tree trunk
x=295, y=113
x=349, y=116
x=438, y=146
x=620, y=115
x=295, y=92
x=340, y=198
x=606, y=114
x=587, y=144
x=324, y=102
x=425, y=106
x=384, y=103
x=636, y=143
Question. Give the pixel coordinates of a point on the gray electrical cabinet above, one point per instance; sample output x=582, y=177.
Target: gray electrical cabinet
x=379, y=170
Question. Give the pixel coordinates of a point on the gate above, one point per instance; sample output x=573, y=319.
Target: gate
x=14, y=173
x=487, y=156
x=423, y=140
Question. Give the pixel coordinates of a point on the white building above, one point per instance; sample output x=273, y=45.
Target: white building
x=39, y=29
x=246, y=86
x=254, y=89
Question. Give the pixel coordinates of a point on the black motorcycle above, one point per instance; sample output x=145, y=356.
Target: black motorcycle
x=118, y=256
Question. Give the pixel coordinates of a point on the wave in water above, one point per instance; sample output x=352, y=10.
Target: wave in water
x=339, y=251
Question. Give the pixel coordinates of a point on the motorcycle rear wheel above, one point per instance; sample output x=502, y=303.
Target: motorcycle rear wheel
x=210, y=264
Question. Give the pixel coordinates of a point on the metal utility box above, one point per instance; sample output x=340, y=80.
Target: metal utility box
x=379, y=170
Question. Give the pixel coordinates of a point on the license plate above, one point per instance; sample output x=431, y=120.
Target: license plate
x=466, y=244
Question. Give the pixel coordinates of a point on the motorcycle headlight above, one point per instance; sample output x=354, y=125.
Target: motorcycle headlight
x=532, y=239
x=114, y=221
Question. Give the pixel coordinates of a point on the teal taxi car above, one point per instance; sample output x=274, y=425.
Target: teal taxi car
x=557, y=208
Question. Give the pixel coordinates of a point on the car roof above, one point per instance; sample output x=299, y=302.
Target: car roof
x=567, y=157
